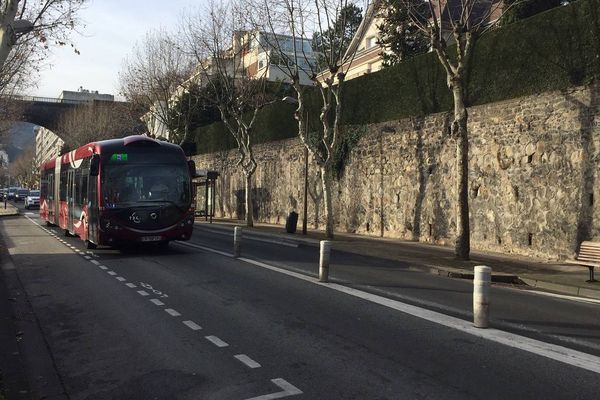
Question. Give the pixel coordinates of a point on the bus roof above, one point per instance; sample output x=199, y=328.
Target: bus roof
x=111, y=146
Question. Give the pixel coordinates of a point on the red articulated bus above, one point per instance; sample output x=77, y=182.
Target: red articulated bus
x=112, y=192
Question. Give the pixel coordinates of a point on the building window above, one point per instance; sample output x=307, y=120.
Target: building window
x=371, y=42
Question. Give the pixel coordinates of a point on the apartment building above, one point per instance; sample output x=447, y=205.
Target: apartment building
x=47, y=145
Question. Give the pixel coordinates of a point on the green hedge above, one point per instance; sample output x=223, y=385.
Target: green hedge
x=553, y=50
x=274, y=122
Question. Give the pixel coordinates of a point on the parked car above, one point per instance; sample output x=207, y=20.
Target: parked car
x=21, y=194
x=33, y=200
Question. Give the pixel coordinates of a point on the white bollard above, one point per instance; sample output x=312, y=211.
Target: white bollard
x=481, y=296
x=324, y=252
x=237, y=241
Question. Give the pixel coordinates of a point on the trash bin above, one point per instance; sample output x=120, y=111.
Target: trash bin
x=291, y=222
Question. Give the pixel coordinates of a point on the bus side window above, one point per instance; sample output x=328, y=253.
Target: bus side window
x=51, y=186
x=84, y=188
x=63, y=185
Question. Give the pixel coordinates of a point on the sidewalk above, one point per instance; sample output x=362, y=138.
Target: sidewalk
x=566, y=279
x=9, y=210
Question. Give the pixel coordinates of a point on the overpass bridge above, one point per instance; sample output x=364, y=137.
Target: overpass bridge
x=44, y=111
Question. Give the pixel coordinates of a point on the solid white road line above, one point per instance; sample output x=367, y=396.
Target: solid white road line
x=250, y=363
x=216, y=341
x=558, y=353
x=192, y=325
x=143, y=293
x=131, y=285
x=288, y=390
x=251, y=236
x=157, y=302
x=120, y=279
x=196, y=246
x=172, y=312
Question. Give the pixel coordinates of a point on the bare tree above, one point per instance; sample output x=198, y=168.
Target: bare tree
x=150, y=76
x=91, y=122
x=454, y=26
x=288, y=27
x=27, y=30
x=221, y=43
x=24, y=169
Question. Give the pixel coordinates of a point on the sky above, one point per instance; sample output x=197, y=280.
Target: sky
x=109, y=30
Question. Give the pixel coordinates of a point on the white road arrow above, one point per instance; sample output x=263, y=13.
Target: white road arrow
x=288, y=390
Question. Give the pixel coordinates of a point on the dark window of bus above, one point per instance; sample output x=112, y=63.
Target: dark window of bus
x=63, y=185
x=158, y=183
x=51, y=185
x=84, y=187
x=77, y=188
x=85, y=172
x=44, y=185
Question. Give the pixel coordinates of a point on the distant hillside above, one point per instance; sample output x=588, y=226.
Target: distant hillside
x=21, y=136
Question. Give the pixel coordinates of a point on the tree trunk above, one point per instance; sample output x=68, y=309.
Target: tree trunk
x=460, y=132
x=249, y=207
x=326, y=180
x=6, y=19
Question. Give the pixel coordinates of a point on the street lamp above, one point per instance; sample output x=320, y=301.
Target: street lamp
x=291, y=100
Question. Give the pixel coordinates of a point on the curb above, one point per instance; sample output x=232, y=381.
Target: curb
x=561, y=288
x=456, y=273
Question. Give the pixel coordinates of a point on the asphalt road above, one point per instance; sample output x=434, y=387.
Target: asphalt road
x=188, y=323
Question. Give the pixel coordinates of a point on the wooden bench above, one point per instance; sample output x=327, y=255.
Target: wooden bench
x=588, y=256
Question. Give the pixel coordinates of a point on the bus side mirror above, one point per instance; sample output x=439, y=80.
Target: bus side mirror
x=192, y=168
x=95, y=165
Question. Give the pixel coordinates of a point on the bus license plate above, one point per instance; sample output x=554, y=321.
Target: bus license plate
x=152, y=238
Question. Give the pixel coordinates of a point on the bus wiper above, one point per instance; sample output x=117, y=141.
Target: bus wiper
x=163, y=201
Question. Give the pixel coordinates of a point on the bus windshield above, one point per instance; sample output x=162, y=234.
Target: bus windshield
x=128, y=185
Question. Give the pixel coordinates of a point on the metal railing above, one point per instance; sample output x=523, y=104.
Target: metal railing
x=37, y=99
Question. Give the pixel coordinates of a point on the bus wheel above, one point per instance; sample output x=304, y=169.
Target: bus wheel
x=89, y=245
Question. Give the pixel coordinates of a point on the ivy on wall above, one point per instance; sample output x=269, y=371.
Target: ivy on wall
x=553, y=50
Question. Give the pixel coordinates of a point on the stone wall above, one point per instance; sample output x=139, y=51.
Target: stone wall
x=534, y=162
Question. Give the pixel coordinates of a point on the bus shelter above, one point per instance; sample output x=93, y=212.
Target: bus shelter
x=204, y=184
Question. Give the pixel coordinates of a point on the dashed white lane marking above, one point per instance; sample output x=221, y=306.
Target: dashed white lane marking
x=143, y=293
x=192, y=325
x=172, y=312
x=113, y=273
x=157, y=302
x=250, y=363
x=131, y=285
x=558, y=353
x=216, y=341
x=288, y=390
x=95, y=262
x=102, y=267
x=120, y=279
x=87, y=257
